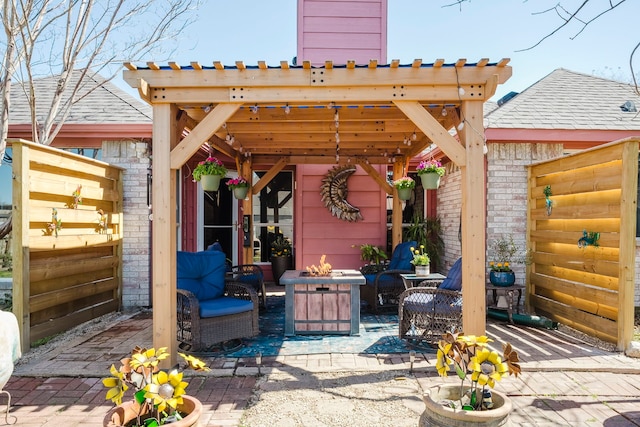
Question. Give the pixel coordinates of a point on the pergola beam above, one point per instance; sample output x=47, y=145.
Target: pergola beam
x=202, y=132
x=430, y=126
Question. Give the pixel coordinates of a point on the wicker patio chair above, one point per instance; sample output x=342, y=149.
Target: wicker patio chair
x=251, y=274
x=426, y=313
x=384, y=287
x=198, y=333
x=212, y=310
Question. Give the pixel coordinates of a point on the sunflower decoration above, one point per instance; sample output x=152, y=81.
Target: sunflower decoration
x=472, y=358
x=157, y=392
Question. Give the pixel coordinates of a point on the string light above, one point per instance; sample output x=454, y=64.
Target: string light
x=414, y=136
x=254, y=109
x=444, y=111
x=460, y=91
x=287, y=109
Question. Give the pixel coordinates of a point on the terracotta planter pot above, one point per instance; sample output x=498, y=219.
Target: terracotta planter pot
x=240, y=192
x=436, y=414
x=121, y=415
x=430, y=181
x=502, y=278
x=210, y=182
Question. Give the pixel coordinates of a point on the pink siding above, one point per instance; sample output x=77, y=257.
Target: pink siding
x=342, y=30
x=318, y=232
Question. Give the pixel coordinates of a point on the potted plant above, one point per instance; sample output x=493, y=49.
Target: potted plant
x=280, y=257
x=240, y=187
x=473, y=401
x=427, y=232
x=430, y=172
x=404, y=186
x=159, y=395
x=420, y=261
x=504, y=252
x=374, y=256
x=209, y=171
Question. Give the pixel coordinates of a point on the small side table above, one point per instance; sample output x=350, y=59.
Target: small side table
x=411, y=280
x=509, y=294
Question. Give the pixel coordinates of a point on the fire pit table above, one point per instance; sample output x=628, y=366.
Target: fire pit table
x=322, y=304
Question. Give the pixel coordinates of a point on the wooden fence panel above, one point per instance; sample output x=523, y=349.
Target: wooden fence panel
x=588, y=287
x=68, y=225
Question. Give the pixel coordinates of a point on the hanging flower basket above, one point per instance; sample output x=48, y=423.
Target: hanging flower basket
x=430, y=172
x=240, y=192
x=430, y=181
x=240, y=187
x=404, y=193
x=210, y=182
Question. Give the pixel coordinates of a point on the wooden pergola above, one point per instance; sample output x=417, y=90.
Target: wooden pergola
x=287, y=115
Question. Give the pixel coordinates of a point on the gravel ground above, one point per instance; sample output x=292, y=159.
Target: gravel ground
x=354, y=399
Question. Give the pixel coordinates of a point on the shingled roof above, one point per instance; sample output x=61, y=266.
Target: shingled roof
x=106, y=104
x=570, y=101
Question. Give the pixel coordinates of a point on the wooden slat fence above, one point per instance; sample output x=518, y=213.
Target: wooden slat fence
x=589, y=288
x=70, y=273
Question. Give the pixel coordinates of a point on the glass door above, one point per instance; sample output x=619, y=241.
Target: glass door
x=217, y=220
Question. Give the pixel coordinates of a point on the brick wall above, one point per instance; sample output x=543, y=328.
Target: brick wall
x=133, y=156
x=449, y=211
x=507, y=192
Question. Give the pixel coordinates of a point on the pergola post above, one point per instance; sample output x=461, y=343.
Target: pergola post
x=247, y=210
x=164, y=233
x=396, y=216
x=473, y=220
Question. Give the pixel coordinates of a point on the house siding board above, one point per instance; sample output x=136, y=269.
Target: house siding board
x=343, y=25
x=318, y=232
x=342, y=30
x=350, y=42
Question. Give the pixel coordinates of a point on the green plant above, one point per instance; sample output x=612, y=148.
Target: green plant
x=504, y=253
x=404, y=182
x=210, y=166
x=420, y=257
x=237, y=182
x=430, y=166
x=281, y=246
x=157, y=393
x=472, y=359
x=427, y=232
x=372, y=254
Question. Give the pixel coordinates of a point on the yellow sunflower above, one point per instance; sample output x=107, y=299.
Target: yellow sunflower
x=148, y=358
x=442, y=358
x=166, y=389
x=194, y=363
x=487, y=367
x=116, y=386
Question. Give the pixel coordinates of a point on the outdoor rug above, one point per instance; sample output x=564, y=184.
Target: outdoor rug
x=378, y=335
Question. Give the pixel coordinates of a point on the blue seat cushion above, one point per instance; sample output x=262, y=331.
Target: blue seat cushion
x=224, y=306
x=453, y=282
x=385, y=280
x=201, y=273
x=402, y=256
x=436, y=304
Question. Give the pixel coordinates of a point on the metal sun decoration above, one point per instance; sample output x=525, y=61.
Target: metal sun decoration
x=334, y=193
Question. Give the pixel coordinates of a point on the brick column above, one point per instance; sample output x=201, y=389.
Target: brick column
x=133, y=157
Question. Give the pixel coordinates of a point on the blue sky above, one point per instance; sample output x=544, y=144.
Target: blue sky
x=253, y=30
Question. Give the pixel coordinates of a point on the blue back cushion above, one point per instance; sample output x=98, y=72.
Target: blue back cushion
x=402, y=256
x=453, y=282
x=201, y=273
